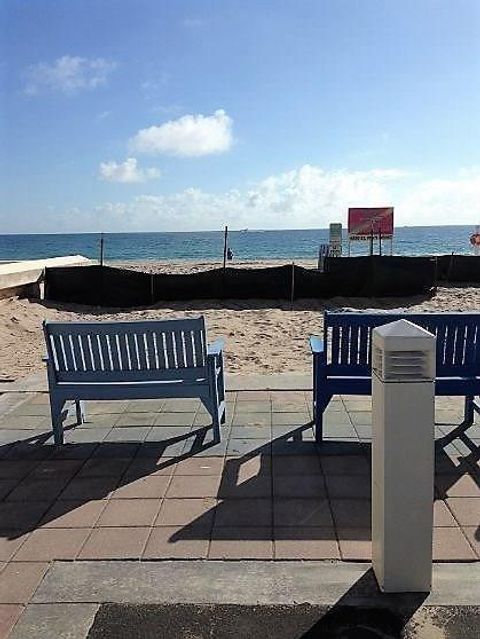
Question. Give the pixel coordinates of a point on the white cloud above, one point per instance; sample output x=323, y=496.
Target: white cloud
x=68, y=74
x=189, y=136
x=127, y=172
x=443, y=201
x=308, y=197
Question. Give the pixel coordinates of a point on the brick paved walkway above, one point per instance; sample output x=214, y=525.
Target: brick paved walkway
x=142, y=480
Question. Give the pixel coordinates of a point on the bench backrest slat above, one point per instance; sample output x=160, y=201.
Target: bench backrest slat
x=348, y=339
x=129, y=351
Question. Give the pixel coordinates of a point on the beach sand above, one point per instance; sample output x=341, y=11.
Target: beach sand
x=262, y=336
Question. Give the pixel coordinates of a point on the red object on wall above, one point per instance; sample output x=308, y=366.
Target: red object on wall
x=362, y=223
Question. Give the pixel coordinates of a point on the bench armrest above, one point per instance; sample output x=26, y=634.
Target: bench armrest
x=317, y=345
x=216, y=347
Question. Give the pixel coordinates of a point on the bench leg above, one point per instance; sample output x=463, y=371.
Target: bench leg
x=56, y=410
x=469, y=415
x=80, y=409
x=320, y=406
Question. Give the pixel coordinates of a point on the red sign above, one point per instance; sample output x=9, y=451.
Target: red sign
x=363, y=223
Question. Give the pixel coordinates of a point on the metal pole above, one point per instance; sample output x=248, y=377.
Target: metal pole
x=102, y=243
x=225, y=242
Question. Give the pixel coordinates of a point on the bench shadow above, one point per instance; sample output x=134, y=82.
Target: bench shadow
x=116, y=465
x=243, y=511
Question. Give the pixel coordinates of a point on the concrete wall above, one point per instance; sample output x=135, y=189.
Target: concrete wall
x=26, y=278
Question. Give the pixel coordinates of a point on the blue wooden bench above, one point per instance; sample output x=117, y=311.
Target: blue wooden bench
x=132, y=360
x=342, y=359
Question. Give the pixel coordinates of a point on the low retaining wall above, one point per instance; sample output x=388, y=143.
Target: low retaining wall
x=375, y=276
x=26, y=277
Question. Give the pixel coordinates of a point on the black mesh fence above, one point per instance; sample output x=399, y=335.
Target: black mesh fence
x=376, y=276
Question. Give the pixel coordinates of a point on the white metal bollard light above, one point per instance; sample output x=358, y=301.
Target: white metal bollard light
x=403, y=418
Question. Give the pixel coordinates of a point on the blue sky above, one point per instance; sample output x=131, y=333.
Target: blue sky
x=154, y=115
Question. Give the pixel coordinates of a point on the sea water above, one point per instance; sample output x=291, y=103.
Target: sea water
x=245, y=245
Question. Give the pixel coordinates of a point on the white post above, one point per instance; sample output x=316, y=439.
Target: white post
x=403, y=417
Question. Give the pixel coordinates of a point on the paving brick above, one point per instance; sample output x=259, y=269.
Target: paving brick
x=19, y=580
x=130, y=434
x=149, y=466
x=50, y=544
x=242, y=447
x=16, y=469
x=466, y=510
x=199, y=486
x=31, y=488
x=73, y=514
x=153, y=487
x=187, y=512
x=251, y=432
x=463, y=486
x=296, y=465
x=177, y=543
x=301, y=512
x=145, y=405
x=54, y=468
x=174, y=419
x=21, y=516
x=115, y=543
x=305, y=543
x=116, y=450
x=348, y=486
x=99, y=408
x=9, y=614
x=355, y=544
x=129, y=512
x=104, y=467
x=451, y=544
x=7, y=486
x=299, y=486
x=257, y=420
x=241, y=543
x=89, y=488
x=9, y=544
x=253, y=407
x=254, y=396
x=472, y=533
x=243, y=512
x=236, y=488
x=239, y=469
x=168, y=433
x=181, y=405
x=351, y=513
x=442, y=515
x=291, y=419
x=135, y=419
x=86, y=435
x=204, y=466
x=345, y=465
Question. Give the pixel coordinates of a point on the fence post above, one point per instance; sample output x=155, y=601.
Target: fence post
x=403, y=416
x=292, y=286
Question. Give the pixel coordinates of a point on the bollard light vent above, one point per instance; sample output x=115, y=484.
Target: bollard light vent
x=403, y=352
x=401, y=366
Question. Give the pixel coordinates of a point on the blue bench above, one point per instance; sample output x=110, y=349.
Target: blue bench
x=342, y=359
x=132, y=360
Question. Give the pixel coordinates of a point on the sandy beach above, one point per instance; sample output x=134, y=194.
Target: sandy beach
x=262, y=336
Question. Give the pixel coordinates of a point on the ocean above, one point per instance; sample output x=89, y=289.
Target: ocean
x=245, y=245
